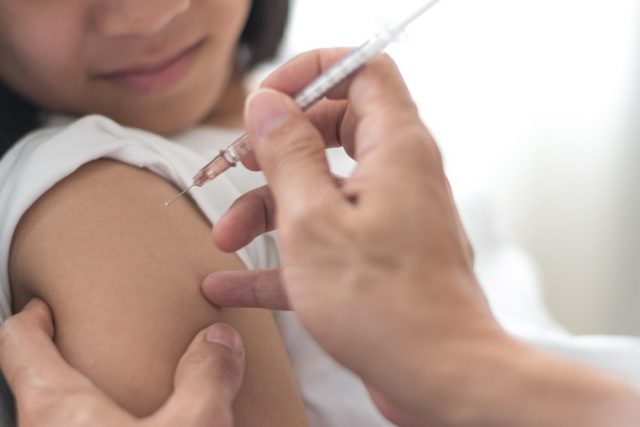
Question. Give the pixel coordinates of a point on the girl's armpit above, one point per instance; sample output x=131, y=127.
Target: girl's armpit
x=122, y=275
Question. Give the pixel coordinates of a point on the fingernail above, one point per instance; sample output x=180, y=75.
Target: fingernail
x=267, y=111
x=225, y=335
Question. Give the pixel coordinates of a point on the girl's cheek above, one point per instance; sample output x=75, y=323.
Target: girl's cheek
x=45, y=36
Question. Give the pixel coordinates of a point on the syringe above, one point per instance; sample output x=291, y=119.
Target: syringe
x=315, y=91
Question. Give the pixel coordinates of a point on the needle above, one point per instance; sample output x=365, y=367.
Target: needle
x=169, y=203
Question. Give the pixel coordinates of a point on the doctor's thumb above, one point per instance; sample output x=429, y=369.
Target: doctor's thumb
x=288, y=148
x=207, y=380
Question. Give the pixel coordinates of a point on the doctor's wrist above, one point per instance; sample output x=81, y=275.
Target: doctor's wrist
x=462, y=375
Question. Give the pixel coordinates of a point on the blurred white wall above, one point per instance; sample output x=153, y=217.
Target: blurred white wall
x=534, y=104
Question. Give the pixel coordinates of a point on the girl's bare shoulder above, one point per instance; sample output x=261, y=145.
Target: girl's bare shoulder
x=122, y=274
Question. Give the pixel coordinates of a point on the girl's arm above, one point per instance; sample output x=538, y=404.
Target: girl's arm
x=122, y=276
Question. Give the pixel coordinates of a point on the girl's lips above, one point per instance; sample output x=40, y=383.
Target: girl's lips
x=153, y=79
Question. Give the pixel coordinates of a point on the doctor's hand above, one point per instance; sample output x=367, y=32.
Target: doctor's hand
x=50, y=392
x=377, y=266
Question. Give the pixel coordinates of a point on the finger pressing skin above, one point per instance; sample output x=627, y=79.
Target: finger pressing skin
x=207, y=380
x=250, y=288
x=290, y=152
x=248, y=217
x=28, y=358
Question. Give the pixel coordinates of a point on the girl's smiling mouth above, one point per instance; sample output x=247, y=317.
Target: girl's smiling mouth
x=157, y=77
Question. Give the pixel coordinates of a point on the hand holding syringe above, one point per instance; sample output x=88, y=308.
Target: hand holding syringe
x=316, y=90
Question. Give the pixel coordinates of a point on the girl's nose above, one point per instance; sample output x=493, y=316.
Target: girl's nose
x=135, y=17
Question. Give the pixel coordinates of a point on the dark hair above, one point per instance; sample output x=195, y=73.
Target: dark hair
x=265, y=29
x=17, y=117
x=259, y=42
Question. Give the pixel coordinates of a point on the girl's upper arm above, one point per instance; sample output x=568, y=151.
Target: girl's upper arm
x=122, y=275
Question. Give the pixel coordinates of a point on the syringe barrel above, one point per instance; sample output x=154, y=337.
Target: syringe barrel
x=227, y=159
x=348, y=65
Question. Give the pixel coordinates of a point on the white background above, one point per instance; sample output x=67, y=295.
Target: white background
x=535, y=105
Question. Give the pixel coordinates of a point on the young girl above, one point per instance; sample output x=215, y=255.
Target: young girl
x=83, y=223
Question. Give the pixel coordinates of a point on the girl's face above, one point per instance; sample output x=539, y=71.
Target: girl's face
x=160, y=65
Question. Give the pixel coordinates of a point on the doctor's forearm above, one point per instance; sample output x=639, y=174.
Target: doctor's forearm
x=514, y=385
